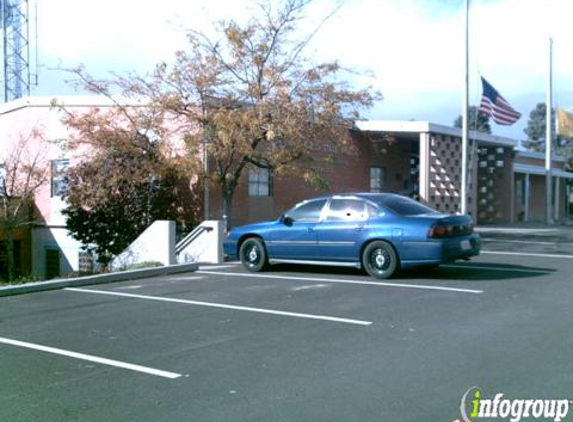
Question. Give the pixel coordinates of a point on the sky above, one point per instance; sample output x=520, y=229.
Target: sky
x=409, y=50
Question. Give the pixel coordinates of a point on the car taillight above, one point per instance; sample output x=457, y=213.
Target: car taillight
x=439, y=230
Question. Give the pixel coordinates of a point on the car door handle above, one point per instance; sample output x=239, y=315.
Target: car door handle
x=358, y=228
x=311, y=229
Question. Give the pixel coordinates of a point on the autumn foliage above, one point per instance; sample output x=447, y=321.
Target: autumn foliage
x=249, y=98
x=254, y=99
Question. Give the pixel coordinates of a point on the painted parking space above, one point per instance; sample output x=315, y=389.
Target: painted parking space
x=367, y=282
x=236, y=360
x=90, y=358
x=125, y=290
x=223, y=306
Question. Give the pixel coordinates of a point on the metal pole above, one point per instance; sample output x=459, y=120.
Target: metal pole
x=527, y=197
x=4, y=24
x=465, y=104
x=549, y=138
x=206, y=185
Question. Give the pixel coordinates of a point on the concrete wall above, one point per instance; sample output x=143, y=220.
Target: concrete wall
x=206, y=245
x=156, y=243
x=56, y=239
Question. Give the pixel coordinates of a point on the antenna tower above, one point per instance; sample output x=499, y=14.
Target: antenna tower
x=15, y=27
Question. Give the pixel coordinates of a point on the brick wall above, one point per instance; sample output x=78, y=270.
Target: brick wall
x=349, y=173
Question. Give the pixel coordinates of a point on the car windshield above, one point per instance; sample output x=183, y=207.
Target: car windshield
x=402, y=205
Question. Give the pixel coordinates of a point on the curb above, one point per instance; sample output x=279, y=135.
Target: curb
x=41, y=286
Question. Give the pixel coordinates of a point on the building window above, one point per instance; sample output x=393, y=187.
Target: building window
x=259, y=182
x=376, y=179
x=59, y=184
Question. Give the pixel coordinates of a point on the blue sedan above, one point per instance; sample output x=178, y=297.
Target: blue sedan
x=380, y=233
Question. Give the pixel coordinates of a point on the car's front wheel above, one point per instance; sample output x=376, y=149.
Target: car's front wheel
x=379, y=259
x=253, y=254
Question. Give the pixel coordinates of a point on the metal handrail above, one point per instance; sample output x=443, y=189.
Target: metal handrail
x=187, y=240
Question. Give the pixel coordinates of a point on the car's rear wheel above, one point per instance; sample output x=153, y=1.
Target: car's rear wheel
x=379, y=259
x=253, y=254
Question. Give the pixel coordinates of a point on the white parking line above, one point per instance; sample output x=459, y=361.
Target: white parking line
x=537, y=255
x=224, y=306
x=342, y=281
x=91, y=358
x=511, y=270
x=525, y=242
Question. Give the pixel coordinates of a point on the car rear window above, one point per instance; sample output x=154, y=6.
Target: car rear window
x=403, y=205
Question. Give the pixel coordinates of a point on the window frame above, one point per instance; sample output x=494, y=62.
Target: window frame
x=58, y=182
x=377, y=183
x=260, y=187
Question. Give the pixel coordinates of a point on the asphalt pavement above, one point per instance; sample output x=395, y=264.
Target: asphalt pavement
x=297, y=343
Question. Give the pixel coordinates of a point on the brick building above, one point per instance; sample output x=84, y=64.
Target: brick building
x=422, y=160
x=530, y=181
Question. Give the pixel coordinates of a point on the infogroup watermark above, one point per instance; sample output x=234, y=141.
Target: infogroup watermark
x=475, y=406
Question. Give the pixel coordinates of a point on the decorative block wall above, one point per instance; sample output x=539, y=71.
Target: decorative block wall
x=493, y=166
x=440, y=163
x=444, y=173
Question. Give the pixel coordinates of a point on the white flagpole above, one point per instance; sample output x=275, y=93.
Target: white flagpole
x=549, y=138
x=465, y=105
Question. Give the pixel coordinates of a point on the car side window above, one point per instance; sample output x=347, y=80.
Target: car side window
x=373, y=211
x=347, y=210
x=308, y=212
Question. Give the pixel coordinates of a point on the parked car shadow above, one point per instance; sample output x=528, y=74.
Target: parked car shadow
x=455, y=271
x=472, y=271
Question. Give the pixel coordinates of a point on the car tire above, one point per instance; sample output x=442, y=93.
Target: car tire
x=379, y=259
x=253, y=254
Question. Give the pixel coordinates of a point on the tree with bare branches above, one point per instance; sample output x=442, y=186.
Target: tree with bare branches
x=251, y=98
x=259, y=100
x=24, y=171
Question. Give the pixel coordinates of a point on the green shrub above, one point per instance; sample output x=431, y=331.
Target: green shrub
x=23, y=279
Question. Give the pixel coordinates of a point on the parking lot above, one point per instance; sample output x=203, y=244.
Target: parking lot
x=296, y=343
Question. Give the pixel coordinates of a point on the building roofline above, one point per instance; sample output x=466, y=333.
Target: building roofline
x=538, y=170
x=539, y=155
x=415, y=126
x=65, y=100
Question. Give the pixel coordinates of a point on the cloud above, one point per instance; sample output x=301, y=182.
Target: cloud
x=412, y=48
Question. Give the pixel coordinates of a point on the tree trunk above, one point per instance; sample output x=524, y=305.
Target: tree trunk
x=227, y=197
x=10, y=253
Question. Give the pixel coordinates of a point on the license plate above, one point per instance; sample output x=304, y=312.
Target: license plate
x=465, y=245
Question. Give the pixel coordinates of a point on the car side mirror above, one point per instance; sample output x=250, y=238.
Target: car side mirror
x=286, y=220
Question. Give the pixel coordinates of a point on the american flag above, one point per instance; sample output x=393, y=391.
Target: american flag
x=495, y=106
